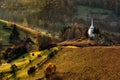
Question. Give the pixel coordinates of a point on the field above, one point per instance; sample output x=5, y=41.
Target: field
x=87, y=63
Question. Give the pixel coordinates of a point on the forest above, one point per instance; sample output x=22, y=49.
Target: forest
x=55, y=14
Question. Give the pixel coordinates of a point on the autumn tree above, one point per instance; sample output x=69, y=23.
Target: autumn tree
x=44, y=42
x=84, y=32
x=55, y=10
x=71, y=32
x=77, y=33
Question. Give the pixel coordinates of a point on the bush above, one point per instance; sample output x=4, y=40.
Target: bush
x=51, y=54
x=2, y=76
x=50, y=71
x=37, y=64
x=30, y=61
x=13, y=53
x=32, y=54
x=44, y=42
x=39, y=55
x=31, y=70
x=23, y=57
x=13, y=69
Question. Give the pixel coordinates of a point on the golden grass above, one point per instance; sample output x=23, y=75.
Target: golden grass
x=71, y=47
x=24, y=64
x=5, y=67
x=88, y=63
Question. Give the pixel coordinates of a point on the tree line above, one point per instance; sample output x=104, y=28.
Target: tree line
x=106, y=4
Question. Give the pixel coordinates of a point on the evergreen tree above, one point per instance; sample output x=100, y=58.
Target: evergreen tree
x=96, y=31
x=13, y=69
x=14, y=36
x=118, y=8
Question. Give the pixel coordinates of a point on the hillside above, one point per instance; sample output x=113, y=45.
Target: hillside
x=34, y=33
x=4, y=35
x=73, y=63
x=87, y=63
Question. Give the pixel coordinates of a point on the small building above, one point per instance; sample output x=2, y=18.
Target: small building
x=91, y=31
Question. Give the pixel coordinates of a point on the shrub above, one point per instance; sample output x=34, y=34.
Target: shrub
x=13, y=69
x=30, y=61
x=32, y=54
x=50, y=70
x=44, y=42
x=2, y=76
x=51, y=54
x=37, y=64
x=39, y=55
x=31, y=70
x=23, y=57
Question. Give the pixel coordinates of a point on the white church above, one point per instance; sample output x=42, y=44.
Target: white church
x=91, y=31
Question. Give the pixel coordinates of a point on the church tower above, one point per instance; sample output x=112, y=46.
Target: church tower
x=91, y=30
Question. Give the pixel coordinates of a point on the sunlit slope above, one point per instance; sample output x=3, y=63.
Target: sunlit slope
x=24, y=62
x=88, y=63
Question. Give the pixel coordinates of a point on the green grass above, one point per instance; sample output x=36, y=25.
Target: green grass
x=4, y=34
x=23, y=63
x=35, y=59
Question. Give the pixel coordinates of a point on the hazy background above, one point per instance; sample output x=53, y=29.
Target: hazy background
x=52, y=15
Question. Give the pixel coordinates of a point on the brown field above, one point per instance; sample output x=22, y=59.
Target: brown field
x=86, y=63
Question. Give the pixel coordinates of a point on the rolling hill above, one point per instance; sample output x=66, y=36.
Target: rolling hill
x=85, y=63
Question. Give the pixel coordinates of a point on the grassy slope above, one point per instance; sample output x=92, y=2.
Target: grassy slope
x=4, y=34
x=23, y=64
x=73, y=63
x=87, y=63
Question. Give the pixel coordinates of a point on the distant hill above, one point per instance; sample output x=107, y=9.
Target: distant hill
x=103, y=11
x=106, y=4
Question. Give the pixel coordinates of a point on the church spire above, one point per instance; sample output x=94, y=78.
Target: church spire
x=92, y=22
x=92, y=26
x=91, y=30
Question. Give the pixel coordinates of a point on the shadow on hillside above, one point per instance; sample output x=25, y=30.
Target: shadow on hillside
x=57, y=77
x=53, y=77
